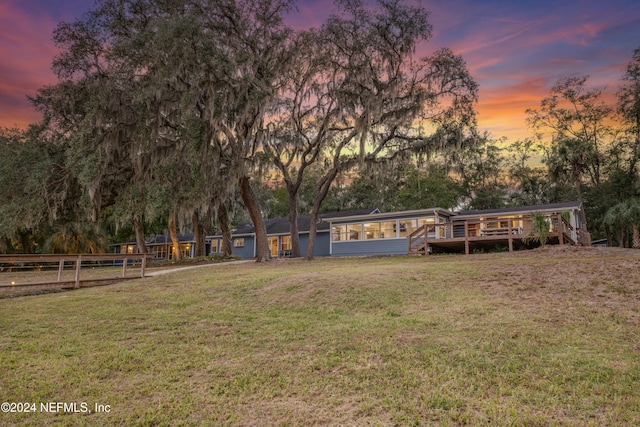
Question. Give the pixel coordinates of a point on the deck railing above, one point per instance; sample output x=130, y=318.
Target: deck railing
x=493, y=229
x=584, y=237
x=22, y=265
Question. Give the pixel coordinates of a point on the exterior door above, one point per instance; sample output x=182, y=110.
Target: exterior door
x=273, y=244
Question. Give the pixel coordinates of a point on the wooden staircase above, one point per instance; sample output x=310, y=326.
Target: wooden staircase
x=418, y=241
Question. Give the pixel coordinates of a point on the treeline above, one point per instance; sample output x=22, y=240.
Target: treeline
x=196, y=113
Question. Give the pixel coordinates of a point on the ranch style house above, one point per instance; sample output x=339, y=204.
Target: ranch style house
x=371, y=232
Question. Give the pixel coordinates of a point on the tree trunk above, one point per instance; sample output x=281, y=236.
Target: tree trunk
x=177, y=256
x=322, y=189
x=26, y=242
x=608, y=234
x=621, y=235
x=198, y=233
x=138, y=227
x=223, y=219
x=578, y=185
x=313, y=228
x=293, y=222
x=251, y=203
x=636, y=237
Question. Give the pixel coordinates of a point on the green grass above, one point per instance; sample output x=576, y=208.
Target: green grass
x=530, y=338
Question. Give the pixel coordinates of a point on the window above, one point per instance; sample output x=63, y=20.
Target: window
x=408, y=226
x=185, y=250
x=160, y=251
x=238, y=243
x=366, y=231
x=127, y=249
x=354, y=231
x=346, y=232
x=338, y=232
x=388, y=230
x=214, y=246
x=286, y=243
x=372, y=230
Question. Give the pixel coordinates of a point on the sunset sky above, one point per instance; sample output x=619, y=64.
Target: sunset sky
x=515, y=50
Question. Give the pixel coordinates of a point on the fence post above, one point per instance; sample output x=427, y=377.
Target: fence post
x=60, y=268
x=78, y=266
x=124, y=267
x=466, y=237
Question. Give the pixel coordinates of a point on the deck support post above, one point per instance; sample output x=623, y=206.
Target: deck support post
x=78, y=266
x=466, y=238
x=426, y=241
x=509, y=230
x=560, y=230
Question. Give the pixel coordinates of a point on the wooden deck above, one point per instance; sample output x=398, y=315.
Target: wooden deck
x=467, y=236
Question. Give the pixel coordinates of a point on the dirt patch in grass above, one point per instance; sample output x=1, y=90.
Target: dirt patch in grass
x=567, y=278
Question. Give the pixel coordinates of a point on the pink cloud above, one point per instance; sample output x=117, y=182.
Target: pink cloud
x=27, y=49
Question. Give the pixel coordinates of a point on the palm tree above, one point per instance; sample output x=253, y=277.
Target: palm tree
x=75, y=238
x=539, y=229
x=626, y=214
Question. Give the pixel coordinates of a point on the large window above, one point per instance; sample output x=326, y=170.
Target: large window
x=338, y=233
x=354, y=232
x=375, y=230
x=346, y=232
x=372, y=230
x=388, y=230
x=380, y=230
x=408, y=226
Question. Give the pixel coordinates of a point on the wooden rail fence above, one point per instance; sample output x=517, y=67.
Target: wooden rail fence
x=37, y=261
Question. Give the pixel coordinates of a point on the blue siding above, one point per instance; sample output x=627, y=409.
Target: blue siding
x=370, y=247
x=322, y=244
x=321, y=248
x=247, y=250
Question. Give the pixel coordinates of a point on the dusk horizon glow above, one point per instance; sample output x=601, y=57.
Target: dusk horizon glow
x=515, y=51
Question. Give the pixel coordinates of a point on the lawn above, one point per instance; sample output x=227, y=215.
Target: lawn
x=543, y=337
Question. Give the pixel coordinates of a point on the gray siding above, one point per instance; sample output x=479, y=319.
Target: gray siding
x=370, y=247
